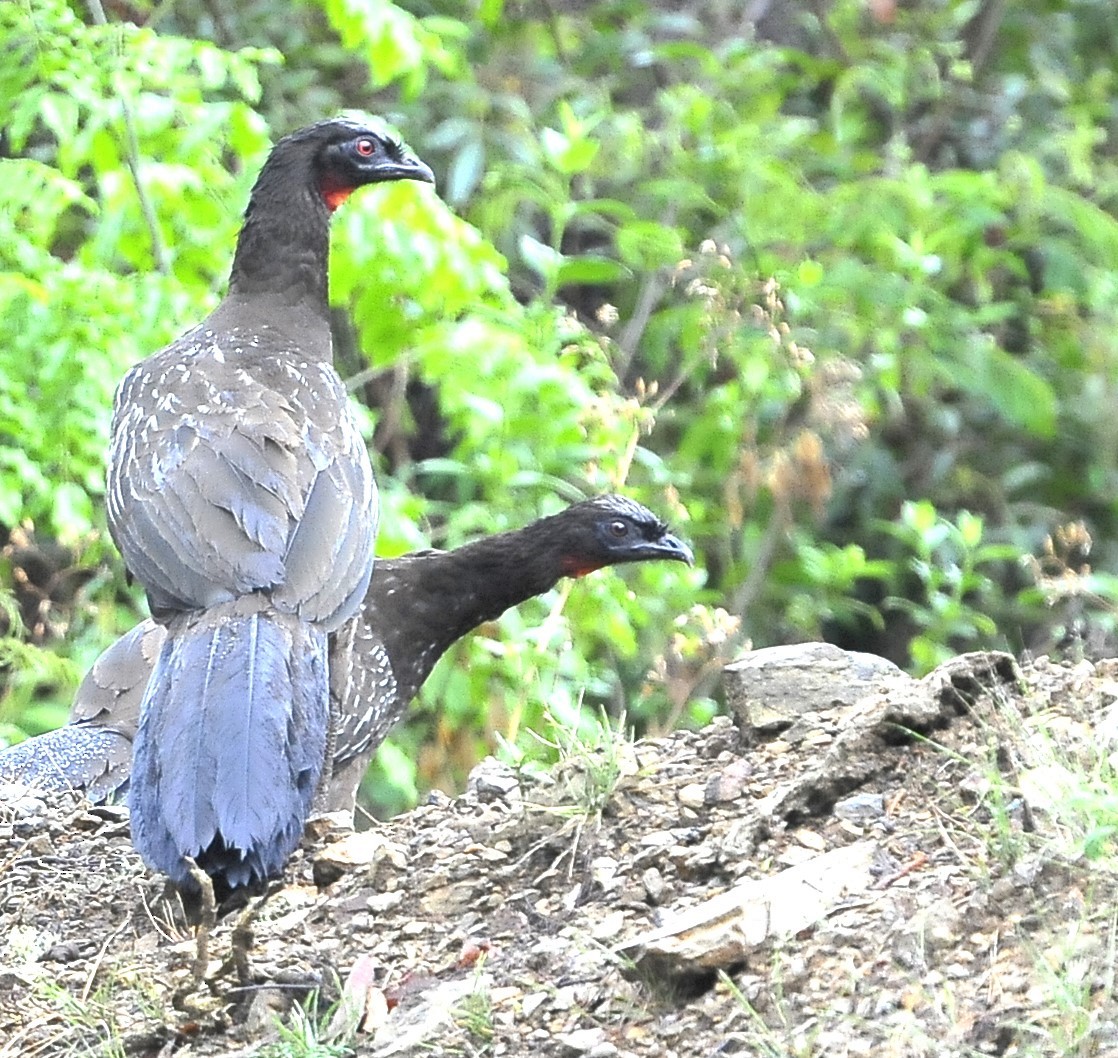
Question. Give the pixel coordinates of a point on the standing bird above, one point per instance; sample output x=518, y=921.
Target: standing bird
x=241, y=498
x=417, y=605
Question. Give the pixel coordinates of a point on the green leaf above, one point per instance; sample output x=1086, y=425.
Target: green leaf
x=541, y=258
x=1097, y=228
x=589, y=269
x=646, y=244
x=1011, y=386
x=567, y=154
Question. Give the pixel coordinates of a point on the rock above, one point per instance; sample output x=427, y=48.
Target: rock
x=492, y=780
x=67, y=952
x=21, y=802
x=769, y=689
x=609, y=927
x=794, y=855
x=943, y=926
x=39, y=845
x=320, y=825
x=605, y=1049
x=720, y=736
x=603, y=869
x=565, y=998
x=416, y=1022
x=810, y=839
x=532, y=1002
x=959, y=682
x=366, y=849
x=887, y=716
x=731, y=782
x=721, y=931
x=266, y=1007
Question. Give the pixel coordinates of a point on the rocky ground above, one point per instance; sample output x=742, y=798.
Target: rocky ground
x=855, y=863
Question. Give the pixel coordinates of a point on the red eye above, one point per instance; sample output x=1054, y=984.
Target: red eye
x=365, y=148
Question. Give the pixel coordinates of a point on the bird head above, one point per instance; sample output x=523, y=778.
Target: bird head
x=283, y=247
x=350, y=155
x=338, y=156
x=609, y=530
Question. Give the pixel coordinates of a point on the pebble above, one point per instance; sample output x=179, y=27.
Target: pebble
x=19, y=802
x=794, y=855
x=605, y=1049
x=491, y=780
x=809, y=839
x=861, y=808
x=381, y=902
x=943, y=927
x=584, y=1041
x=565, y=997
x=694, y=795
x=603, y=870
x=731, y=782
x=1003, y=889
x=609, y=926
x=1026, y=869
x=532, y=1002
x=39, y=845
x=653, y=882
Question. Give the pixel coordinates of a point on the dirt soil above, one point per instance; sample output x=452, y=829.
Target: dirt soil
x=829, y=885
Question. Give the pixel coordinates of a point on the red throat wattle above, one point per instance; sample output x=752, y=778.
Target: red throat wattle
x=333, y=194
x=577, y=567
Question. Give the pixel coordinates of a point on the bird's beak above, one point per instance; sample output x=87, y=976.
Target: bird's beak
x=668, y=547
x=407, y=169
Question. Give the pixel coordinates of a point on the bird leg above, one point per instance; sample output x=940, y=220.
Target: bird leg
x=206, y=924
x=242, y=940
x=320, y=804
x=341, y=693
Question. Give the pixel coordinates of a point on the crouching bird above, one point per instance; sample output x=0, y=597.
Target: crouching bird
x=417, y=605
x=241, y=498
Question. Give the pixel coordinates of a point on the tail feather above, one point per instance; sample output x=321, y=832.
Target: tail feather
x=230, y=745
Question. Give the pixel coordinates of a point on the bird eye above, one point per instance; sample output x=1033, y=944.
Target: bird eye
x=366, y=148
x=618, y=528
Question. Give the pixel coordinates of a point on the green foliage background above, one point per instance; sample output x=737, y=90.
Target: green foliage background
x=835, y=293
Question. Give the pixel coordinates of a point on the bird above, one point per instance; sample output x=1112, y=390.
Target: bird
x=240, y=495
x=416, y=607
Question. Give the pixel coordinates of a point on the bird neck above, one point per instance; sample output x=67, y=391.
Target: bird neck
x=284, y=246
x=439, y=596
x=497, y=572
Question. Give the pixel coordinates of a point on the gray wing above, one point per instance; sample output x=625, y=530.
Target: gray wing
x=219, y=486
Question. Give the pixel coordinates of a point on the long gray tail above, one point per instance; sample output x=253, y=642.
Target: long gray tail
x=230, y=745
